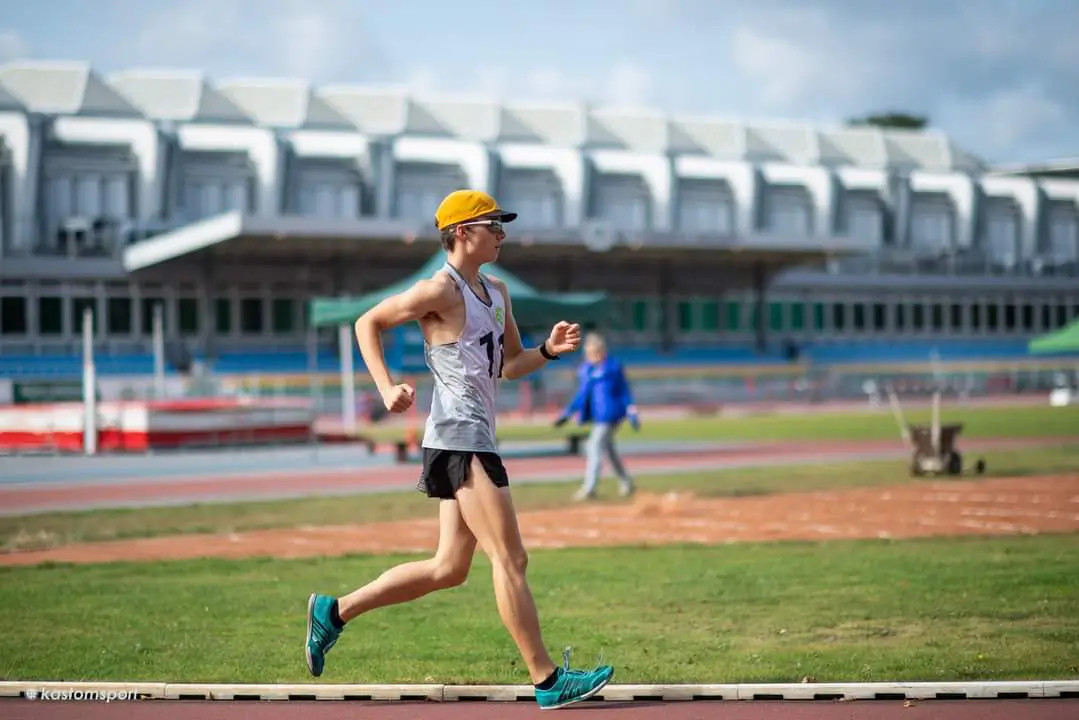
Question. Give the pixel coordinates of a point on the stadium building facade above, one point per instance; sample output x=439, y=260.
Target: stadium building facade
x=233, y=203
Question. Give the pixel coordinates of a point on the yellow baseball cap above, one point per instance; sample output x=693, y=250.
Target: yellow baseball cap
x=462, y=205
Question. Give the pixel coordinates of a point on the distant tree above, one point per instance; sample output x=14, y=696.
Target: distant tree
x=900, y=120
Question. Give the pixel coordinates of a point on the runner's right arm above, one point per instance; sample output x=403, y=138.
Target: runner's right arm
x=422, y=299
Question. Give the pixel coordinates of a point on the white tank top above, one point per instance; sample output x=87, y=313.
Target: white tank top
x=467, y=373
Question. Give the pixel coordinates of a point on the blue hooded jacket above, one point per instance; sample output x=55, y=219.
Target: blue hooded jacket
x=603, y=393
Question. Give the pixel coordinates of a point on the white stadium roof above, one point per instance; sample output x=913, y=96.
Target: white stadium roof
x=64, y=88
x=73, y=88
x=182, y=95
x=284, y=104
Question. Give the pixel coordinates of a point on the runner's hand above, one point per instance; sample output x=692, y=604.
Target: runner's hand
x=399, y=398
x=565, y=337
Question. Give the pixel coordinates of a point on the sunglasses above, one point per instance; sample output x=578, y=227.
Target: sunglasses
x=495, y=225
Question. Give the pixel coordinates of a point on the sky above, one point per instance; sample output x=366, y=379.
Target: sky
x=1001, y=77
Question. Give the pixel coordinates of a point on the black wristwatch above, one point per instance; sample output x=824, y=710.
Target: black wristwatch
x=544, y=353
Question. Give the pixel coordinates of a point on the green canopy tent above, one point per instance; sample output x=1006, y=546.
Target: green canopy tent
x=1064, y=340
x=531, y=308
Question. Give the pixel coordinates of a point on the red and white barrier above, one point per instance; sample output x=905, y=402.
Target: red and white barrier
x=141, y=426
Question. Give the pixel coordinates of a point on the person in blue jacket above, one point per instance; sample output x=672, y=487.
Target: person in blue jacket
x=604, y=399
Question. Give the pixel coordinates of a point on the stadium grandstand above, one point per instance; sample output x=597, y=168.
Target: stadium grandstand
x=231, y=205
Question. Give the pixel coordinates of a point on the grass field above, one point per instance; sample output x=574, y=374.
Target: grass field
x=840, y=611
x=982, y=422
x=930, y=609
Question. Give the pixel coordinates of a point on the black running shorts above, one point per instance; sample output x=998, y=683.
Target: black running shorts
x=444, y=471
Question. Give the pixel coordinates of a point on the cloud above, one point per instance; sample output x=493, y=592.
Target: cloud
x=628, y=84
x=625, y=83
x=12, y=46
x=992, y=88
x=181, y=34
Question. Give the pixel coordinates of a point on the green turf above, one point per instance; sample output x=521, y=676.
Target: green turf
x=878, y=424
x=53, y=529
x=921, y=610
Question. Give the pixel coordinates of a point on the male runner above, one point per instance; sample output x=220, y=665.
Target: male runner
x=471, y=343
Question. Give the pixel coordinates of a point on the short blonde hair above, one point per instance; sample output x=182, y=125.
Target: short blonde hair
x=595, y=340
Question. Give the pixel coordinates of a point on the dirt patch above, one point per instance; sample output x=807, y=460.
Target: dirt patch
x=1002, y=506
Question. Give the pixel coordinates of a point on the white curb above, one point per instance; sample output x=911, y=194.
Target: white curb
x=116, y=691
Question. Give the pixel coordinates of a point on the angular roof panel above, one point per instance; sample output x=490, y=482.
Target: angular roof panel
x=179, y=95
x=794, y=144
x=10, y=103
x=466, y=119
x=63, y=88
x=639, y=132
x=283, y=103
x=862, y=146
x=719, y=138
x=556, y=125
x=374, y=111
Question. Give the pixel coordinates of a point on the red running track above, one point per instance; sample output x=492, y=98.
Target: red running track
x=272, y=484
x=1036, y=709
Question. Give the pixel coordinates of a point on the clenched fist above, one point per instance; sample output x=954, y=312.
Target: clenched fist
x=399, y=398
x=565, y=337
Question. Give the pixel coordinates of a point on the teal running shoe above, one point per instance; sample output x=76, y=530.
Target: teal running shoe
x=321, y=633
x=573, y=686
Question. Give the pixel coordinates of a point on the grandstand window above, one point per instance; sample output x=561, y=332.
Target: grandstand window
x=1064, y=232
x=733, y=315
x=798, y=316
x=917, y=316
x=50, y=316
x=13, y=315
x=931, y=221
x=710, y=315
x=642, y=315
x=789, y=210
x=1009, y=316
x=992, y=317
x=148, y=304
x=704, y=206
x=1002, y=231
x=117, y=201
x=937, y=311
x=976, y=316
x=880, y=317
x=864, y=219
x=223, y=316
x=78, y=306
x=1028, y=316
x=818, y=316
x=957, y=317
x=251, y=316
x=118, y=315
x=775, y=317
x=622, y=200
x=839, y=316
x=535, y=195
x=1062, y=315
x=859, y=317
x=685, y=316
x=188, y=320
x=88, y=195
x=900, y=316
x=1047, y=317
x=284, y=316
x=421, y=186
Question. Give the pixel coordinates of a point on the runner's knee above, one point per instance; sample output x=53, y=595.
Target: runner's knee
x=450, y=572
x=513, y=561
